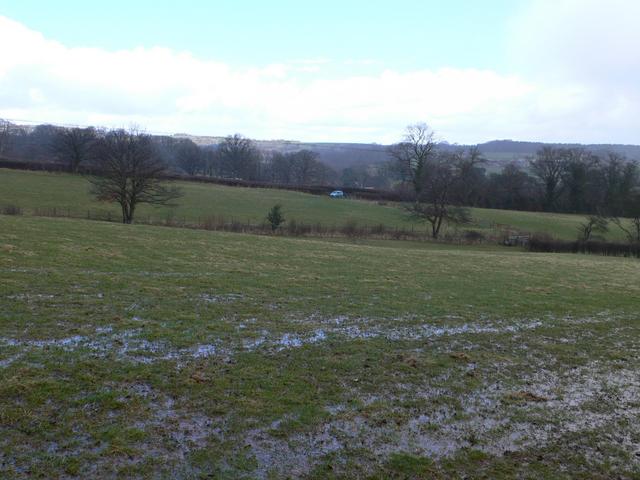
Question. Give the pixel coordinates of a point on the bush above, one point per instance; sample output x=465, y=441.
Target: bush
x=275, y=217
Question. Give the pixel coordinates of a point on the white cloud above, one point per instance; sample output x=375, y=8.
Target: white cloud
x=584, y=40
x=582, y=56
x=170, y=91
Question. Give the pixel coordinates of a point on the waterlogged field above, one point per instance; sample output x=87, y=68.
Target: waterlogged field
x=69, y=194
x=149, y=352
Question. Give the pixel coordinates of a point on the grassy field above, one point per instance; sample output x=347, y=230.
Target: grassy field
x=150, y=352
x=70, y=193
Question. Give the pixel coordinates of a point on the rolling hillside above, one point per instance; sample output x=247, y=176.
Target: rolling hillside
x=69, y=194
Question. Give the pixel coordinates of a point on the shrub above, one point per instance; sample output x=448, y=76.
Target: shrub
x=275, y=217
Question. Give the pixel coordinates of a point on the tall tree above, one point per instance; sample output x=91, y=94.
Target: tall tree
x=39, y=142
x=130, y=172
x=297, y=168
x=280, y=171
x=239, y=157
x=578, y=179
x=73, y=145
x=413, y=153
x=549, y=167
x=470, y=177
x=631, y=226
x=5, y=136
x=619, y=177
x=305, y=166
x=511, y=189
x=189, y=156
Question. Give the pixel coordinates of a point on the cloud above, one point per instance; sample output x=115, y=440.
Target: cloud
x=581, y=55
x=173, y=91
x=592, y=41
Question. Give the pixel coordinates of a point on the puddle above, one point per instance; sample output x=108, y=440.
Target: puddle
x=226, y=298
x=478, y=420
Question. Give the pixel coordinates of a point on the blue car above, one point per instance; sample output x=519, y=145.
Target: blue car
x=337, y=194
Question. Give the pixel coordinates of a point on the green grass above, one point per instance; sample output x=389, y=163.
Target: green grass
x=70, y=193
x=149, y=352
x=32, y=190
x=559, y=225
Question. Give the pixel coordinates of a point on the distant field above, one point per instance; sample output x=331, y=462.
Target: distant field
x=150, y=352
x=33, y=190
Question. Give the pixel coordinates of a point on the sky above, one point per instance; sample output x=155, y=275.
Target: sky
x=342, y=71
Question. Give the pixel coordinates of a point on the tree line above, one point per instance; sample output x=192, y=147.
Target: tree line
x=235, y=157
x=438, y=184
x=437, y=181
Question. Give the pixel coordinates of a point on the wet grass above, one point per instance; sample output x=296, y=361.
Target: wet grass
x=148, y=352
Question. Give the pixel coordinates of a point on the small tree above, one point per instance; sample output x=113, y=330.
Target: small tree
x=130, y=172
x=436, y=214
x=275, y=217
x=436, y=203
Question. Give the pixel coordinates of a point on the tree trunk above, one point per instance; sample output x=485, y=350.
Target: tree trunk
x=127, y=213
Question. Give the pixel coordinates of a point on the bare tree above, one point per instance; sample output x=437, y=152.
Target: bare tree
x=470, y=176
x=239, y=157
x=631, y=227
x=297, y=168
x=549, y=166
x=436, y=201
x=511, y=189
x=130, y=172
x=305, y=166
x=73, y=145
x=619, y=176
x=5, y=136
x=413, y=153
x=580, y=174
x=592, y=224
x=189, y=157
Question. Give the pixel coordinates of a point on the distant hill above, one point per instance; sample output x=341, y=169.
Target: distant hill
x=501, y=152
x=336, y=155
x=343, y=155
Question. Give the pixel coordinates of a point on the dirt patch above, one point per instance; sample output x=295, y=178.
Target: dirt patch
x=524, y=396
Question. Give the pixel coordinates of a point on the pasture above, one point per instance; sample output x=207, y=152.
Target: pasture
x=153, y=352
x=69, y=195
